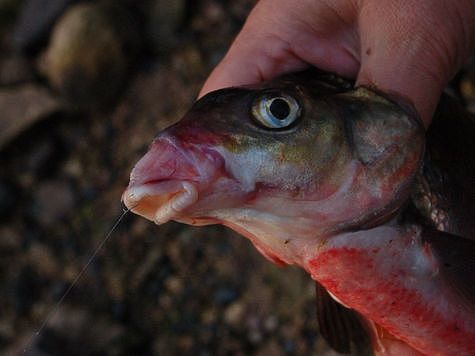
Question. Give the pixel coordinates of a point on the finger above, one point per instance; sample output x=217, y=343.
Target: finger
x=257, y=53
x=410, y=80
x=281, y=36
x=411, y=56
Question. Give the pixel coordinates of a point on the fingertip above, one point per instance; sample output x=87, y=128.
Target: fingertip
x=231, y=71
x=259, y=52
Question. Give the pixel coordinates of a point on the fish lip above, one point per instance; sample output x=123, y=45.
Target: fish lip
x=174, y=197
x=166, y=180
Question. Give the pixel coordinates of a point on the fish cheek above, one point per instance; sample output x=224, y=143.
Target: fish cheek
x=386, y=140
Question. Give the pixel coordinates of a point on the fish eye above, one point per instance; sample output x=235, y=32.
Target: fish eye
x=276, y=111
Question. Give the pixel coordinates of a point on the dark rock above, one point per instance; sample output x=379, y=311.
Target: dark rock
x=21, y=107
x=25, y=290
x=164, y=20
x=71, y=332
x=10, y=239
x=35, y=21
x=53, y=201
x=8, y=11
x=89, y=54
x=39, y=160
x=7, y=199
x=467, y=89
x=15, y=69
x=225, y=295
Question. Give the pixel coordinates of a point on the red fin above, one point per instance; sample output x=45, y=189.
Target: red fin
x=343, y=329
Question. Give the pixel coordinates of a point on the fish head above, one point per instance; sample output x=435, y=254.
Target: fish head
x=285, y=163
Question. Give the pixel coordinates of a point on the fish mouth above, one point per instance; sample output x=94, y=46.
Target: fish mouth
x=160, y=201
x=166, y=182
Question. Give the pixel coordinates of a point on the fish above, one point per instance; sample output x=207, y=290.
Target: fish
x=345, y=182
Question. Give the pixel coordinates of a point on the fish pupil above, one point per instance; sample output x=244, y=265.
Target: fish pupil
x=279, y=108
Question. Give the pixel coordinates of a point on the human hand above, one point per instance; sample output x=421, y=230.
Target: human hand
x=408, y=47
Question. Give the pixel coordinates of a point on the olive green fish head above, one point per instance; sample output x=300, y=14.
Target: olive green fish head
x=286, y=162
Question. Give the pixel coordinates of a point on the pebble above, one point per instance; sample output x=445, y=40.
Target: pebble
x=7, y=199
x=22, y=107
x=271, y=323
x=271, y=348
x=89, y=53
x=35, y=21
x=467, y=88
x=41, y=157
x=53, y=200
x=234, y=313
x=42, y=260
x=15, y=69
x=10, y=238
x=164, y=20
x=174, y=284
x=225, y=295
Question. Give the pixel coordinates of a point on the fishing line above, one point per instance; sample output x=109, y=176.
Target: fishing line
x=55, y=309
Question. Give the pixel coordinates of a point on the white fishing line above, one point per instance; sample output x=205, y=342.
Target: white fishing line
x=55, y=309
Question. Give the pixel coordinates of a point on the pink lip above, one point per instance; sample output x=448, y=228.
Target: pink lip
x=167, y=180
x=161, y=201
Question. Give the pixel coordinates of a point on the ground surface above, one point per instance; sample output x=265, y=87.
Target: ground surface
x=83, y=90
x=64, y=161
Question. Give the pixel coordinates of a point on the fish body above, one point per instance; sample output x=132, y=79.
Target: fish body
x=343, y=182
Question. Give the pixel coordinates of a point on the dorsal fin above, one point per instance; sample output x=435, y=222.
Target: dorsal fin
x=456, y=257
x=342, y=328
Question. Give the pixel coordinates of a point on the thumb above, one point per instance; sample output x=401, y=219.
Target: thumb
x=411, y=55
x=258, y=52
x=281, y=36
x=409, y=80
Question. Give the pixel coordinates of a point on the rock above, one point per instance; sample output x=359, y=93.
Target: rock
x=271, y=323
x=72, y=331
x=15, y=69
x=225, y=295
x=40, y=159
x=164, y=20
x=234, y=313
x=89, y=54
x=271, y=348
x=22, y=107
x=10, y=239
x=35, y=21
x=174, y=285
x=467, y=89
x=8, y=11
x=7, y=199
x=53, y=200
x=43, y=260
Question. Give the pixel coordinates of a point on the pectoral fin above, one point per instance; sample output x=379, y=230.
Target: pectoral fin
x=456, y=259
x=343, y=329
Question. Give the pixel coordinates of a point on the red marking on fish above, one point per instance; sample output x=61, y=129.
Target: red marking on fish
x=352, y=275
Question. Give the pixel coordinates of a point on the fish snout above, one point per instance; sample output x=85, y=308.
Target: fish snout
x=167, y=180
